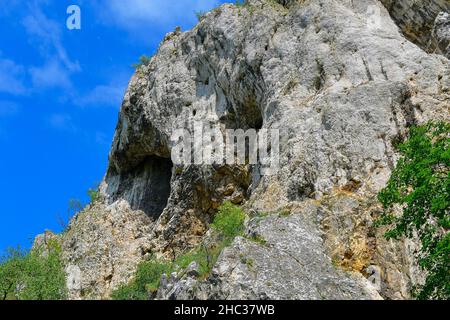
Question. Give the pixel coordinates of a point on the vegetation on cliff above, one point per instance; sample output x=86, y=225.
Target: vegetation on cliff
x=420, y=187
x=34, y=275
x=228, y=223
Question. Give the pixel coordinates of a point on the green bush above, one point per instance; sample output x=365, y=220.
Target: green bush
x=146, y=281
x=420, y=185
x=200, y=255
x=200, y=15
x=34, y=275
x=94, y=195
x=205, y=256
x=148, y=275
x=143, y=61
x=229, y=220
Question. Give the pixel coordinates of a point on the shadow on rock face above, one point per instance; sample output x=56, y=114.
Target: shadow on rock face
x=146, y=187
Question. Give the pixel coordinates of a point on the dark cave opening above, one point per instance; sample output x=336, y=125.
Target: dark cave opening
x=155, y=192
x=146, y=187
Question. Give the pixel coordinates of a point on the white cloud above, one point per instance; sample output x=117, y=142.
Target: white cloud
x=11, y=77
x=143, y=15
x=47, y=35
x=50, y=75
x=44, y=34
x=103, y=95
x=62, y=122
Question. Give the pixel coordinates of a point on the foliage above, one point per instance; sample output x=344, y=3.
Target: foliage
x=34, y=275
x=240, y=3
x=200, y=15
x=74, y=206
x=256, y=238
x=420, y=186
x=144, y=60
x=94, y=194
x=146, y=281
x=284, y=213
x=228, y=223
x=229, y=220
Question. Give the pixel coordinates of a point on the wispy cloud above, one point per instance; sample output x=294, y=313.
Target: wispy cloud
x=50, y=75
x=62, y=121
x=104, y=95
x=46, y=34
x=144, y=15
x=11, y=77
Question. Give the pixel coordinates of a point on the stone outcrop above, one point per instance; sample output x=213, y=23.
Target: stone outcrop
x=441, y=34
x=288, y=261
x=102, y=248
x=424, y=22
x=340, y=89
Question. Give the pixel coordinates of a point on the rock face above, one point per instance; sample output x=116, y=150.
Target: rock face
x=102, y=247
x=340, y=84
x=288, y=261
x=419, y=21
x=441, y=33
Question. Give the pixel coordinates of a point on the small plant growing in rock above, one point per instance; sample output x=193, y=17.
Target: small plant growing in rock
x=145, y=282
x=258, y=239
x=284, y=213
x=94, y=195
x=229, y=223
x=200, y=15
x=229, y=220
x=249, y=262
x=143, y=61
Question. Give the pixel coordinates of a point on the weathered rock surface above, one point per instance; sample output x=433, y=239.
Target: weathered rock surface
x=102, y=247
x=341, y=92
x=441, y=33
x=288, y=261
x=419, y=19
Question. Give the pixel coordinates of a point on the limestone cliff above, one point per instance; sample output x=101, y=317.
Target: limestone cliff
x=341, y=82
x=425, y=22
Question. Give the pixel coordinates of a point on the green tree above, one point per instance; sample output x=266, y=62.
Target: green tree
x=94, y=193
x=10, y=270
x=34, y=275
x=420, y=188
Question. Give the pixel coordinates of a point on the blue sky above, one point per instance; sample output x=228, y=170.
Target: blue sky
x=60, y=94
